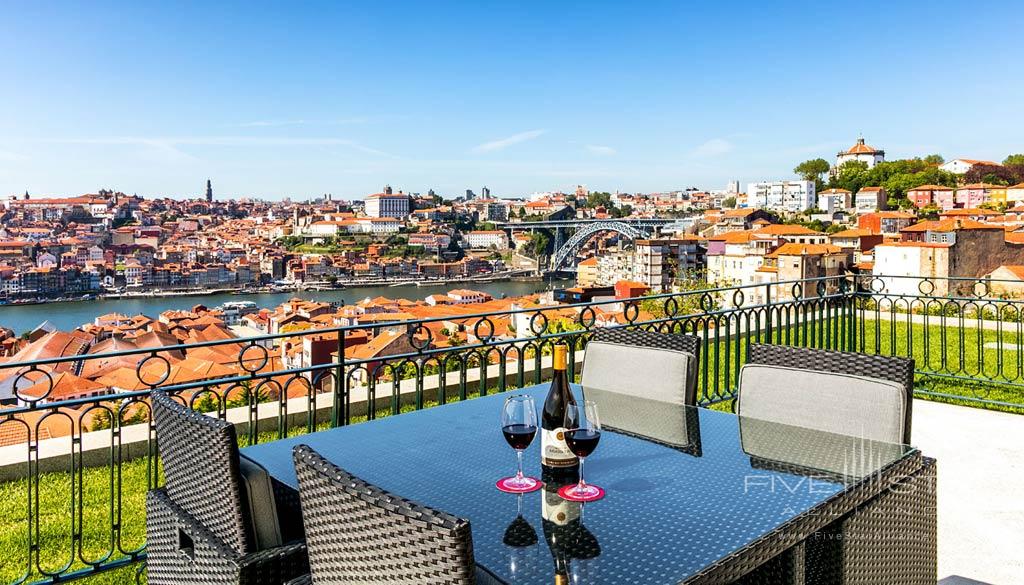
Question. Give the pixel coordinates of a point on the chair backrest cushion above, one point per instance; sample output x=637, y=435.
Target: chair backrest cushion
x=258, y=491
x=201, y=470
x=846, y=404
x=358, y=533
x=662, y=375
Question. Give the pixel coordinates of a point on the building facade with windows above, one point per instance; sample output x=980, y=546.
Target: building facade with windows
x=790, y=196
x=388, y=204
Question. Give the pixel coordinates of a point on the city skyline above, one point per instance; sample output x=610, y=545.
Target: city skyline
x=271, y=104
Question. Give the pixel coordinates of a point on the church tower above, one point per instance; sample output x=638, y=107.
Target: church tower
x=209, y=191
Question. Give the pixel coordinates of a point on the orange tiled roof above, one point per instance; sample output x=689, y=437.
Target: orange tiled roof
x=805, y=250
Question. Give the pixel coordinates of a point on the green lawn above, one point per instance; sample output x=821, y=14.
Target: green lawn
x=961, y=352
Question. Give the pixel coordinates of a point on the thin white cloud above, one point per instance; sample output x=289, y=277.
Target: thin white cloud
x=279, y=123
x=8, y=156
x=504, y=143
x=713, y=147
x=600, y=150
x=173, y=143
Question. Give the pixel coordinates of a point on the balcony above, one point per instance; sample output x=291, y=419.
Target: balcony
x=74, y=471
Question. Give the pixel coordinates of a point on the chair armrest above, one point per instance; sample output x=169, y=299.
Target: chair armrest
x=274, y=566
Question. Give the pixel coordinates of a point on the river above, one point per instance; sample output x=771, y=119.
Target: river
x=68, y=316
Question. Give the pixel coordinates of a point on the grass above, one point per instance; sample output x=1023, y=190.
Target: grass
x=963, y=353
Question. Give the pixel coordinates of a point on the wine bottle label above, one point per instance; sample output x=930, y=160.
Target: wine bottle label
x=554, y=508
x=554, y=451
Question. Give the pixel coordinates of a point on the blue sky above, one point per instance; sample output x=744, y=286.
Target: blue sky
x=272, y=100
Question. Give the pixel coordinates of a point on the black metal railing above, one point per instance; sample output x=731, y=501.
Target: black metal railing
x=74, y=470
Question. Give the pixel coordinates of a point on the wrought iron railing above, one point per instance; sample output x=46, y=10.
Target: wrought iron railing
x=74, y=471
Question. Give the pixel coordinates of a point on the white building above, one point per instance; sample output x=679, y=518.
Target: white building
x=861, y=152
x=463, y=296
x=832, y=200
x=900, y=266
x=484, y=239
x=379, y=225
x=387, y=204
x=870, y=199
x=792, y=196
x=960, y=166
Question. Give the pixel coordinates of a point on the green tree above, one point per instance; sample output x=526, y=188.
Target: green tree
x=934, y=159
x=1014, y=160
x=812, y=170
x=851, y=175
x=729, y=202
x=538, y=245
x=600, y=199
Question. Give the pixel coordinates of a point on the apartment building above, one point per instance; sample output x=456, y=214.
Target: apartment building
x=735, y=257
x=869, y=199
x=788, y=196
x=937, y=195
x=798, y=262
x=944, y=248
x=887, y=223
x=485, y=239
x=832, y=200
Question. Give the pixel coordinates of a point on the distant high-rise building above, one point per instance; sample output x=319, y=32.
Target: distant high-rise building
x=485, y=192
x=470, y=194
x=209, y=191
x=733, y=187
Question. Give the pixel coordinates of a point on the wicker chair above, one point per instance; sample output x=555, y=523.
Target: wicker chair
x=216, y=520
x=842, y=392
x=682, y=388
x=358, y=533
x=617, y=375
x=842, y=553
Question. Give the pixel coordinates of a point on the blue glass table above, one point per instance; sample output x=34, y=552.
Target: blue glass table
x=708, y=504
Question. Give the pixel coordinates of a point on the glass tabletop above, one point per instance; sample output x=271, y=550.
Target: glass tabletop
x=701, y=486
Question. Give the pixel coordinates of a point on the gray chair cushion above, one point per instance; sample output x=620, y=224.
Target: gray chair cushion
x=259, y=497
x=644, y=372
x=859, y=406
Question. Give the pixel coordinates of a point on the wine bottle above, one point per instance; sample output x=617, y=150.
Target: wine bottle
x=555, y=454
x=559, y=517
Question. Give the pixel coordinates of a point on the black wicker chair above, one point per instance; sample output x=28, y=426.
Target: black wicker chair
x=216, y=520
x=649, y=339
x=358, y=533
x=891, y=538
x=894, y=370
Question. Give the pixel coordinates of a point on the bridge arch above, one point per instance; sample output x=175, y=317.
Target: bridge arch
x=572, y=246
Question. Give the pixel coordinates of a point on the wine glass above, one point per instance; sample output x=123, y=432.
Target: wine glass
x=582, y=439
x=519, y=425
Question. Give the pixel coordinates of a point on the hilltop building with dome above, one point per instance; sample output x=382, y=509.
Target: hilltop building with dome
x=861, y=152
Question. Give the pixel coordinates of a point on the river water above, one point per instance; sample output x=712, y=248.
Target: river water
x=67, y=316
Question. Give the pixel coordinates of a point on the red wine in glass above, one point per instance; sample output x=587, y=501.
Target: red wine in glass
x=582, y=438
x=519, y=426
x=582, y=442
x=519, y=436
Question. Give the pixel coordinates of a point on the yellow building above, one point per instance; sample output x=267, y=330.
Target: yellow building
x=586, y=272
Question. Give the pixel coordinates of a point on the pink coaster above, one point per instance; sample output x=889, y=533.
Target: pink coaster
x=593, y=493
x=506, y=486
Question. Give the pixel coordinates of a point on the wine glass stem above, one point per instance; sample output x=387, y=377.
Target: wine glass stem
x=581, y=487
x=519, y=465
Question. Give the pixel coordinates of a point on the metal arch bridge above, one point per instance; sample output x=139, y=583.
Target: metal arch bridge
x=567, y=251
x=646, y=222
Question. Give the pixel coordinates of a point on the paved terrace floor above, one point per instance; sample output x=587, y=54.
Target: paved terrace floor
x=981, y=491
